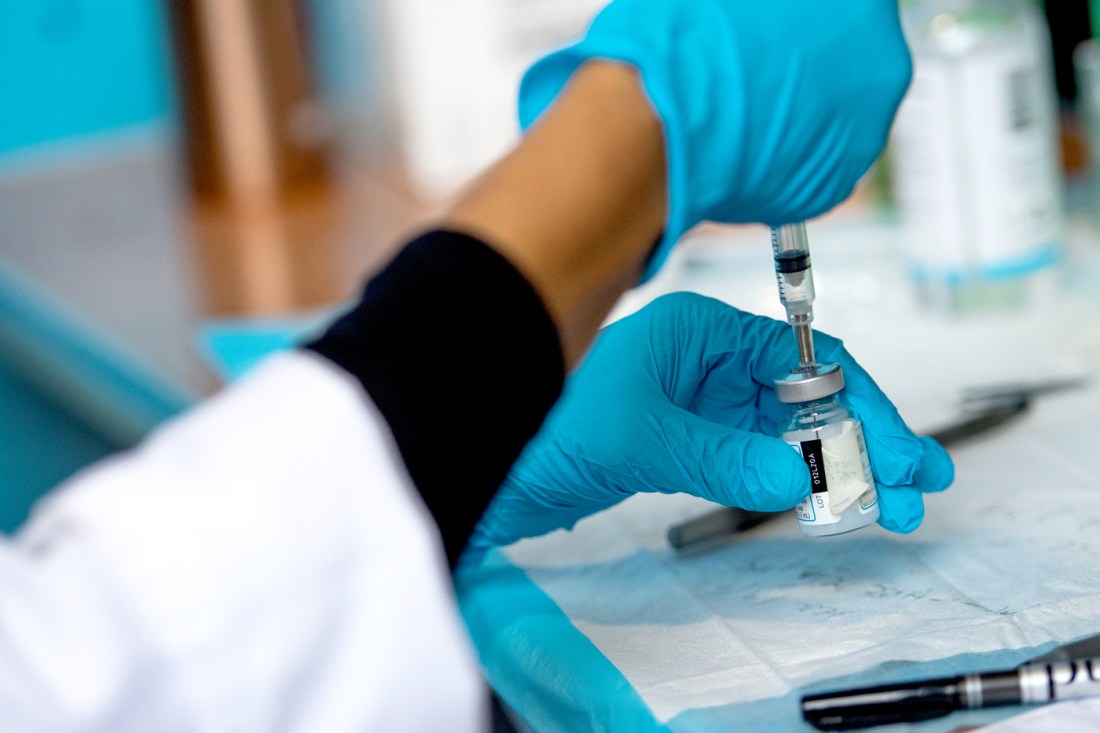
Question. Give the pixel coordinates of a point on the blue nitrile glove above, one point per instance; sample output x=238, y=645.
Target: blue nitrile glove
x=679, y=398
x=771, y=110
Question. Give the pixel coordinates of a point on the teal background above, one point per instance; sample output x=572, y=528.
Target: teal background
x=69, y=394
x=41, y=443
x=70, y=68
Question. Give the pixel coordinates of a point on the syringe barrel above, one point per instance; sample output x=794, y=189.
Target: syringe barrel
x=791, y=249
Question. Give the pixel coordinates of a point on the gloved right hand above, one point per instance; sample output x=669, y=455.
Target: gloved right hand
x=679, y=397
x=771, y=110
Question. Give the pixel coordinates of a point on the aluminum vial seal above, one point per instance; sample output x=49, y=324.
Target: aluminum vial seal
x=810, y=382
x=829, y=439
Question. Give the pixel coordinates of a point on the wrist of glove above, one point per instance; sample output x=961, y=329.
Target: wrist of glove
x=679, y=398
x=771, y=111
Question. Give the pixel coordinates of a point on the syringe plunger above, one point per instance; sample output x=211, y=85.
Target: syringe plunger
x=791, y=249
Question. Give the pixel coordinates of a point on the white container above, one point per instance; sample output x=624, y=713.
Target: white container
x=975, y=152
x=435, y=81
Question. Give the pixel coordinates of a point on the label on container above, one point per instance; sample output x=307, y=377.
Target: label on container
x=812, y=454
x=840, y=476
x=976, y=166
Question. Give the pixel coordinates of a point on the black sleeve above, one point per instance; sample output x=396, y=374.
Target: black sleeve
x=459, y=354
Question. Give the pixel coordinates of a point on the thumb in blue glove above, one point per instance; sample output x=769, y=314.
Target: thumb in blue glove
x=771, y=111
x=679, y=398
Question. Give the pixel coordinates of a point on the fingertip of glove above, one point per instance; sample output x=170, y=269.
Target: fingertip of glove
x=896, y=459
x=906, y=527
x=901, y=510
x=781, y=480
x=937, y=470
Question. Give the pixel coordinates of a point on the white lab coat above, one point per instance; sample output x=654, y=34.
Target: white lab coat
x=262, y=563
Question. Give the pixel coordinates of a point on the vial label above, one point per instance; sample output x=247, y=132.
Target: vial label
x=848, y=476
x=868, y=498
x=840, y=476
x=812, y=454
x=814, y=509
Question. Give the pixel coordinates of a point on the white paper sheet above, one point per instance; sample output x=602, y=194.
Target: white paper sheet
x=1007, y=559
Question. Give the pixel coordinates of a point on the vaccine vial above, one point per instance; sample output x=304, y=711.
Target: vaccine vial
x=829, y=438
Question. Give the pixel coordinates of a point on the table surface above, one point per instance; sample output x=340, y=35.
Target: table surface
x=605, y=627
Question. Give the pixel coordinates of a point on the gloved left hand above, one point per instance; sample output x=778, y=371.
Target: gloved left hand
x=679, y=398
x=771, y=111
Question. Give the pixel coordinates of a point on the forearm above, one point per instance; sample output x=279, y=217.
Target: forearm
x=460, y=356
x=463, y=341
x=579, y=204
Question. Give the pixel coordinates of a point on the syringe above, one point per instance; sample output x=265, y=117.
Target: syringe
x=791, y=249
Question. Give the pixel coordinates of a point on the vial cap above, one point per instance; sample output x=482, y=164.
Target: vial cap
x=811, y=382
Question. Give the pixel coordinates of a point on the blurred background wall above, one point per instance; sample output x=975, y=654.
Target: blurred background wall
x=88, y=136
x=71, y=69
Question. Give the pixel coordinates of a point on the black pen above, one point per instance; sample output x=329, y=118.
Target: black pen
x=704, y=531
x=1032, y=683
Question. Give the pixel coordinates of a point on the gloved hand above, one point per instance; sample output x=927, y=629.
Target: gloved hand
x=771, y=110
x=679, y=398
